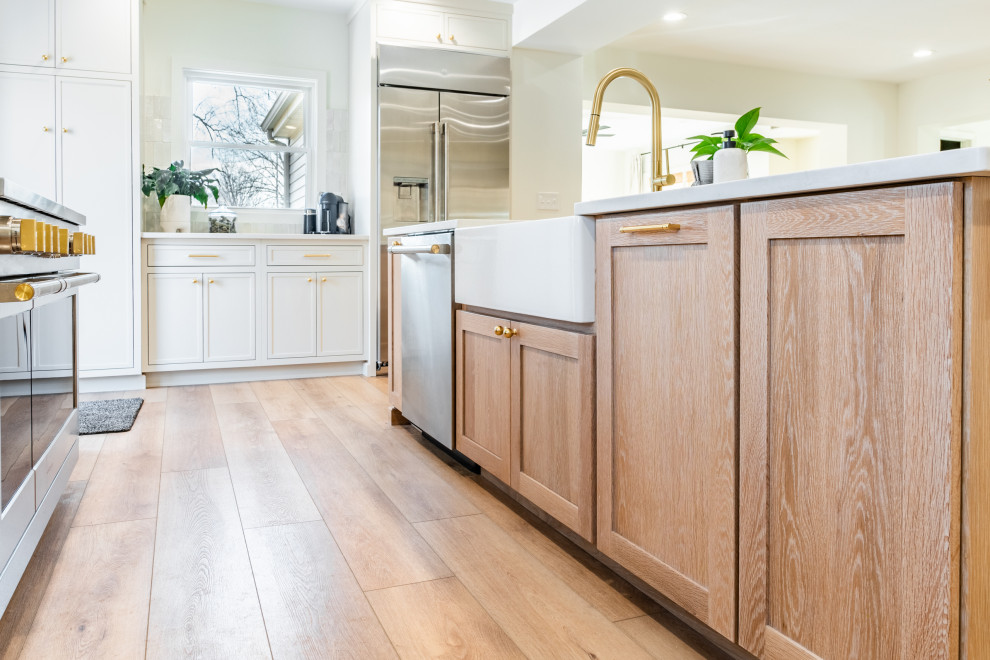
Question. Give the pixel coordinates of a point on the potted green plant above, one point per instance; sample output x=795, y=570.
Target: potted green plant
x=706, y=147
x=175, y=187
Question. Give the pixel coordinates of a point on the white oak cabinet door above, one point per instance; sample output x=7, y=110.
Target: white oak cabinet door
x=230, y=316
x=341, y=317
x=175, y=318
x=291, y=315
x=27, y=32
x=477, y=32
x=27, y=130
x=94, y=35
x=95, y=145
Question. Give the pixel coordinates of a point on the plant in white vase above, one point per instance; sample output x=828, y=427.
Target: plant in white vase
x=175, y=187
x=745, y=139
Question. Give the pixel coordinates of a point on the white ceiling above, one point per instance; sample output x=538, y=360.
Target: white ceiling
x=330, y=5
x=871, y=39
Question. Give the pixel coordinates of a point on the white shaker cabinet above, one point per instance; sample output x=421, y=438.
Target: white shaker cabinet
x=94, y=119
x=476, y=32
x=93, y=35
x=439, y=26
x=291, y=315
x=230, y=316
x=413, y=24
x=27, y=32
x=340, y=313
x=27, y=129
x=175, y=318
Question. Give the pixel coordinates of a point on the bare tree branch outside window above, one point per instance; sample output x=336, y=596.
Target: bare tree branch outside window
x=230, y=122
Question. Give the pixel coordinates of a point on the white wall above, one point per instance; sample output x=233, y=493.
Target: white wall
x=867, y=108
x=928, y=104
x=245, y=37
x=545, y=148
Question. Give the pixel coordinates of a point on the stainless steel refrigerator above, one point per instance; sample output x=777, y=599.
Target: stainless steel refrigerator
x=443, y=143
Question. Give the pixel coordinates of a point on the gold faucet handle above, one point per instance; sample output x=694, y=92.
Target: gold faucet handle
x=665, y=180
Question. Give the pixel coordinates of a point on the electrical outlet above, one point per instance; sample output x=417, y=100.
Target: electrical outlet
x=548, y=201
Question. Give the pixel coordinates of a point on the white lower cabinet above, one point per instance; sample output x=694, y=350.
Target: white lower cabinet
x=175, y=318
x=341, y=317
x=230, y=316
x=291, y=315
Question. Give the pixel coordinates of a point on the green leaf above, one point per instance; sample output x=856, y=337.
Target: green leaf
x=201, y=197
x=161, y=200
x=747, y=122
x=216, y=193
x=763, y=146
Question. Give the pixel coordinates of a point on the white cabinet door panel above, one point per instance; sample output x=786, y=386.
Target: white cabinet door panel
x=27, y=131
x=341, y=313
x=175, y=318
x=97, y=181
x=291, y=315
x=477, y=32
x=410, y=25
x=27, y=32
x=230, y=316
x=94, y=36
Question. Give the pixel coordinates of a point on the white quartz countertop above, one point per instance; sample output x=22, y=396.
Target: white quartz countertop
x=927, y=167
x=204, y=236
x=444, y=225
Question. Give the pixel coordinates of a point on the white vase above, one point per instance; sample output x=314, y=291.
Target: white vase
x=731, y=164
x=176, y=214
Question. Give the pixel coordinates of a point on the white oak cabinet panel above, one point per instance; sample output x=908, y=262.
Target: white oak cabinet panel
x=95, y=150
x=291, y=315
x=175, y=318
x=94, y=35
x=477, y=32
x=230, y=316
x=341, y=318
x=27, y=32
x=27, y=131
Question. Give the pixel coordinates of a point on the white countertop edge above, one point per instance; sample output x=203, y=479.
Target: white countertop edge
x=312, y=238
x=956, y=163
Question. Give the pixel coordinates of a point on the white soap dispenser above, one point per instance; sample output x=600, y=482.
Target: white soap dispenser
x=730, y=161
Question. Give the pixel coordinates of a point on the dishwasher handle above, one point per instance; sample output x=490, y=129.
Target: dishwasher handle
x=419, y=249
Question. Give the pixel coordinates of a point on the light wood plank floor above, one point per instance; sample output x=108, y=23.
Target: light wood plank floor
x=287, y=519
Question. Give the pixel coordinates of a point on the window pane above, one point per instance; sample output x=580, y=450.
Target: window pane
x=242, y=114
x=256, y=179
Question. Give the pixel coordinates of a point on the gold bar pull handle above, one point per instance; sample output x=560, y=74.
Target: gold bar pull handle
x=317, y=256
x=667, y=228
x=204, y=256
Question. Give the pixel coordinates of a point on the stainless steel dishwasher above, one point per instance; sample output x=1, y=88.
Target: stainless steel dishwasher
x=428, y=332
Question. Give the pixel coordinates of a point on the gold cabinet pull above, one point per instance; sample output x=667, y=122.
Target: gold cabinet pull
x=44, y=129
x=499, y=330
x=317, y=256
x=195, y=281
x=64, y=59
x=667, y=228
x=309, y=279
x=211, y=281
x=439, y=37
x=452, y=37
x=44, y=58
x=65, y=130
x=509, y=333
x=323, y=280
x=204, y=256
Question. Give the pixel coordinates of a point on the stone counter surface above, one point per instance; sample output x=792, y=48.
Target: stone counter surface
x=918, y=169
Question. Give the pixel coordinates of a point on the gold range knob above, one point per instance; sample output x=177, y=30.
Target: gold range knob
x=509, y=333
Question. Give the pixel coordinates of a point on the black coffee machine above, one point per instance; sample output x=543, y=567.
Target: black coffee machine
x=333, y=215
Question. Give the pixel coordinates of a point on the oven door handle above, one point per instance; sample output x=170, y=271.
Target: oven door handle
x=419, y=249
x=25, y=290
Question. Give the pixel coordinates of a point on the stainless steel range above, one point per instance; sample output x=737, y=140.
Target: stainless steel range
x=41, y=247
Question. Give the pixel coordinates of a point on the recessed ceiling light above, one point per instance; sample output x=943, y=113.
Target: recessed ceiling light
x=923, y=52
x=674, y=16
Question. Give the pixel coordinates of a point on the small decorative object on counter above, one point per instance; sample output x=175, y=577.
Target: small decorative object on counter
x=309, y=221
x=704, y=172
x=174, y=187
x=730, y=160
x=343, y=219
x=223, y=221
x=708, y=146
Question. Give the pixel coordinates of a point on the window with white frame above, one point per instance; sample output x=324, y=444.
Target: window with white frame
x=257, y=132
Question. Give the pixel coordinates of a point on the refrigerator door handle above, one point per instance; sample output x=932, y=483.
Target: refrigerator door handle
x=436, y=130
x=446, y=164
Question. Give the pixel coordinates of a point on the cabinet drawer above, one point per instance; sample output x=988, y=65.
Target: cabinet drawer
x=209, y=256
x=315, y=255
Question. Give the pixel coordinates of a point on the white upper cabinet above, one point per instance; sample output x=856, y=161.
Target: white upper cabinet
x=27, y=131
x=477, y=32
x=82, y=35
x=95, y=134
x=27, y=32
x=94, y=35
x=439, y=26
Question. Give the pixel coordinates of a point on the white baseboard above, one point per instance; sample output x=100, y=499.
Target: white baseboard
x=217, y=376
x=112, y=383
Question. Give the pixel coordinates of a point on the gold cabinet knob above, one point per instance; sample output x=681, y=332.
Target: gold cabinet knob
x=65, y=130
x=44, y=58
x=44, y=129
x=65, y=59
x=323, y=280
x=509, y=332
x=195, y=281
x=211, y=281
x=439, y=37
x=309, y=279
x=451, y=38
x=499, y=330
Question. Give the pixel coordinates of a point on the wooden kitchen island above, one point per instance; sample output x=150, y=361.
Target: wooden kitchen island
x=793, y=428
